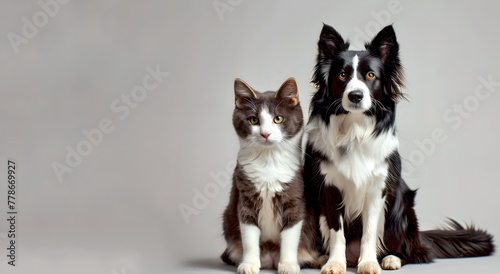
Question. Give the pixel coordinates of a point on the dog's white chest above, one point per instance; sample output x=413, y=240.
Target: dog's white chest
x=359, y=162
x=355, y=152
x=357, y=158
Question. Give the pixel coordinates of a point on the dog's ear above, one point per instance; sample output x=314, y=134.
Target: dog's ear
x=330, y=42
x=289, y=92
x=329, y=45
x=384, y=44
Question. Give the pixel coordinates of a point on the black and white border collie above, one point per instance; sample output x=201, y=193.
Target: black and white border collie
x=352, y=166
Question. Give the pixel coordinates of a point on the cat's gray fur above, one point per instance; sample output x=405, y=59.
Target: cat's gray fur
x=258, y=197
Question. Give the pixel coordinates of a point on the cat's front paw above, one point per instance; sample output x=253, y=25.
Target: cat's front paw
x=369, y=268
x=248, y=268
x=288, y=268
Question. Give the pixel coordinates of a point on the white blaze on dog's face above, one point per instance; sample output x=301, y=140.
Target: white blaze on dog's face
x=356, y=96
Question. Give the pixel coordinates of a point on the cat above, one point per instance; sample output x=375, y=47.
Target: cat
x=265, y=223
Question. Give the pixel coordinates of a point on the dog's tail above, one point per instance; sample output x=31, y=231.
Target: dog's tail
x=456, y=241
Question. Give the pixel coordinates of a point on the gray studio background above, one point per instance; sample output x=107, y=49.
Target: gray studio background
x=118, y=208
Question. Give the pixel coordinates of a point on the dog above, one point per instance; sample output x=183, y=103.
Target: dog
x=352, y=168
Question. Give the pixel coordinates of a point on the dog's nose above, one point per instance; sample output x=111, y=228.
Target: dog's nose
x=355, y=96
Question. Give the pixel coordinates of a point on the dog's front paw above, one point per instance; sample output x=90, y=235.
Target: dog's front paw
x=288, y=268
x=369, y=268
x=391, y=262
x=334, y=268
x=248, y=268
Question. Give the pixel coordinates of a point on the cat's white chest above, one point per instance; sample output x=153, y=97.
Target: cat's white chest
x=269, y=220
x=269, y=170
x=267, y=178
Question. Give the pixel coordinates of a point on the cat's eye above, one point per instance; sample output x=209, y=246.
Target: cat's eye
x=370, y=75
x=253, y=120
x=342, y=76
x=278, y=119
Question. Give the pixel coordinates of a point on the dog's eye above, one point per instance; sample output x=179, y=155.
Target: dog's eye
x=342, y=76
x=253, y=120
x=370, y=75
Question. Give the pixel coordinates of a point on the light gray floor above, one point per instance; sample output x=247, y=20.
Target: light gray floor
x=484, y=265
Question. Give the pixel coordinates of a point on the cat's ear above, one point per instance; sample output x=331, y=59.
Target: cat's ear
x=289, y=91
x=242, y=92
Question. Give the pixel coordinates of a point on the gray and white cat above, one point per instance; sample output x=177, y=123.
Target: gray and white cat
x=265, y=223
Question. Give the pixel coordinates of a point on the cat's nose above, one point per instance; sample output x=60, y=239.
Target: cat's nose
x=265, y=134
